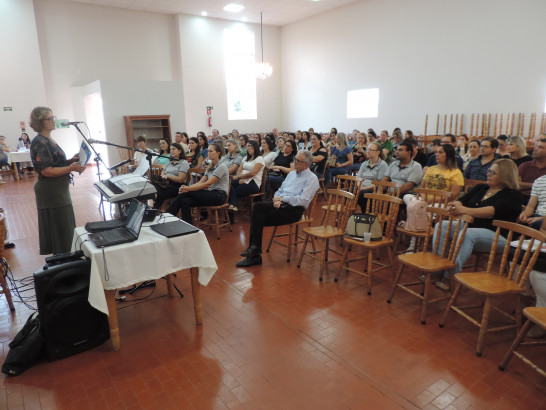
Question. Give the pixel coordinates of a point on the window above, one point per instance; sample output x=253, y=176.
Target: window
x=239, y=62
x=363, y=103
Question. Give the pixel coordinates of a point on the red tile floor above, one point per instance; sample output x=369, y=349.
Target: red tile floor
x=273, y=337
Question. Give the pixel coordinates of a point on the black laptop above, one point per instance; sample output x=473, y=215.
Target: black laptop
x=127, y=233
x=174, y=228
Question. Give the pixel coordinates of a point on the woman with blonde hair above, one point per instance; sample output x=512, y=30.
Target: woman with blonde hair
x=499, y=198
x=343, y=156
x=517, y=149
x=232, y=159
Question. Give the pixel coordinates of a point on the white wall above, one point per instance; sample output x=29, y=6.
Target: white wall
x=21, y=79
x=83, y=43
x=425, y=56
x=204, y=77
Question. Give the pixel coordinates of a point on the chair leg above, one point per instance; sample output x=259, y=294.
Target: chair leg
x=483, y=326
x=6, y=290
x=395, y=283
x=271, y=239
x=290, y=240
x=519, y=338
x=303, y=250
x=426, y=296
x=370, y=268
x=343, y=258
x=451, y=302
x=323, y=258
x=217, y=224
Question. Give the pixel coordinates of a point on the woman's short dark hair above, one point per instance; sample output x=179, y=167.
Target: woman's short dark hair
x=256, y=150
x=436, y=141
x=270, y=143
x=292, y=134
x=306, y=135
x=293, y=144
x=141, y=138
x=179, y=148
x=334, y=130
x=451, y=160
x=372, y=133
x=410, y=133
x=245, y=137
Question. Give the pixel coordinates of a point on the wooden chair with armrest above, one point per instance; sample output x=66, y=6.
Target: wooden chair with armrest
x=535, y=316
x=346, y=183
x=442, y=257
x=3, y=265
x=294, y=237
x=386, y=208
x=260, y=195
x=217, y=215
x=497, y=282
x=340, y=206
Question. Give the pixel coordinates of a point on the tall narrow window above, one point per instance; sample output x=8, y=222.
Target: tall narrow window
x=363, y=103
x=239, y=62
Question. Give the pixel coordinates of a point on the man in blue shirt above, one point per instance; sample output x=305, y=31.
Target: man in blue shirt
x=478, y=167
x=289, y=203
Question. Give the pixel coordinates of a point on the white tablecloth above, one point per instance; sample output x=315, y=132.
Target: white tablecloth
x=151, y=257
x=19, y=156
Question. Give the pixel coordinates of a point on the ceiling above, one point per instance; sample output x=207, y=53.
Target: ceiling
x=275, y=12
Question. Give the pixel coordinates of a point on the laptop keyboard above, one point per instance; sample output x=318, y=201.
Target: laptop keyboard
x=115, y=235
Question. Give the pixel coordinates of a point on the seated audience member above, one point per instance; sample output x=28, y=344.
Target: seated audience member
x=203, y=144
x=372, y=136
x=502, y=150
x=211, y=190
x=478, y=168
x=232, y=159
x=248, y=179
x=173, y=175
x=404, y=171
x=282, y=165
x=343, y=155
x=534, y=212
x=359, y=153
x=418, y=154
x=397, y=138
x=243, y=141
x=447, y=139
x=305, y=141
x=194, y=157
x=434, y=145
x=531, y=170
x=387, y=146
x=473, y=152
x=141, y=145
x=498, y=199
x=280, y=145
x=517, y=149
x=462, y=147
x=320, y=156
x=408, y=134
x=268, y=151
x=165, y=150
x=288, y=205
x=4, y=149
x=24, y=144
x=373, y=169
x=182, y=139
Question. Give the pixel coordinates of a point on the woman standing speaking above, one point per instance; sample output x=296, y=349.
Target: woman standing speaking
x=56, y=220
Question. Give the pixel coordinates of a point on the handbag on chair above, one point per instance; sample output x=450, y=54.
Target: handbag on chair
x=358, y=224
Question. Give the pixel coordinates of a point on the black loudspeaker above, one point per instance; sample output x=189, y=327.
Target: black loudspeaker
x=69, y=323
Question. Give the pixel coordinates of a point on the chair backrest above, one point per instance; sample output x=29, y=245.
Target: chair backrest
x=3, y=233
x=386, y=187
x=451, y=246
x=386, y=208
x=529, y=245
x=349, y=183
x=264, y=180
x=471, y=183
x=194, y=174
x=434, y=196
x=309, y=210
x=326, y=166
x=340, y=206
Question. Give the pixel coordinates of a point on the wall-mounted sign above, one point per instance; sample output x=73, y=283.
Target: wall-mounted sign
x=8, y=108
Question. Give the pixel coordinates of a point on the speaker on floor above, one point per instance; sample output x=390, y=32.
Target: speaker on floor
x=69, y=323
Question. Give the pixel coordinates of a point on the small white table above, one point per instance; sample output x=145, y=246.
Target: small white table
x=151, y=257
x=18, y=156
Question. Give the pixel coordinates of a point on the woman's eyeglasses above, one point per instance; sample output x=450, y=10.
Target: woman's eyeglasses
x=491, y=172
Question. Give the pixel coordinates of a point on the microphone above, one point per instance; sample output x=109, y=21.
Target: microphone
x=92, y=141
x=67, y=123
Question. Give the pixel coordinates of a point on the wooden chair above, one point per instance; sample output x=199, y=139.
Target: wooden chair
x=322, y=189
x=432, y=196
x=340, y=205
x=387, y=211
x=386, y=187
x=217, y=215
x=294, y=237
x=534, y=315
x=195, y=175
x=503, y=282
x=260, y=194
x=442, y=257
x=3, y=283
x=471, y=183
x=346, y=183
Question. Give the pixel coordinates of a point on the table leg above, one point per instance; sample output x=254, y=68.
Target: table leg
x=15, y=172
x=196, y=292
x=170, y=285
x=112, y=318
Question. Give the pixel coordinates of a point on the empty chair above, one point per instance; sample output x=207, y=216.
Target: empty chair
x=3, y=273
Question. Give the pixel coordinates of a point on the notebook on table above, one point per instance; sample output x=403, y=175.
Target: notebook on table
x=127, y=233
x=174, y=228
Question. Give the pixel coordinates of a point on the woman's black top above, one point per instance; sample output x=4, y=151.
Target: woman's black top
x=318, y=167
x=282, y=161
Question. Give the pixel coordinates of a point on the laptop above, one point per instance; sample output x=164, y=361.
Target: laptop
x=127, y=233
x=174, y=228
x=100, y=226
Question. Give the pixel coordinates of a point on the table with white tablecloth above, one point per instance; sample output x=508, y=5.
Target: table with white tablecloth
x=18, y=156
x=151, y=257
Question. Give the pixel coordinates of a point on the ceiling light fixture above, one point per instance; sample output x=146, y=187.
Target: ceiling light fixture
x=244, y=19
x=234, y=8
x=263, y=70
x=204, y=13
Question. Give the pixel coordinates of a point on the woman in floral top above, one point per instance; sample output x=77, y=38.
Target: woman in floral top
x=56, y=220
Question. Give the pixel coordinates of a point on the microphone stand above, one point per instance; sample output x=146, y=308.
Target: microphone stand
x=98, y=159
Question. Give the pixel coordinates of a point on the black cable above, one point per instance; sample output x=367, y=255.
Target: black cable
x=8, y=274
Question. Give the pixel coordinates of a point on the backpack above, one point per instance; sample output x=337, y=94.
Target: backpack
x=417, y=216
x=26, y=348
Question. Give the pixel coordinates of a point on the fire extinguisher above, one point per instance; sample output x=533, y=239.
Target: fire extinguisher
x=209, y=115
